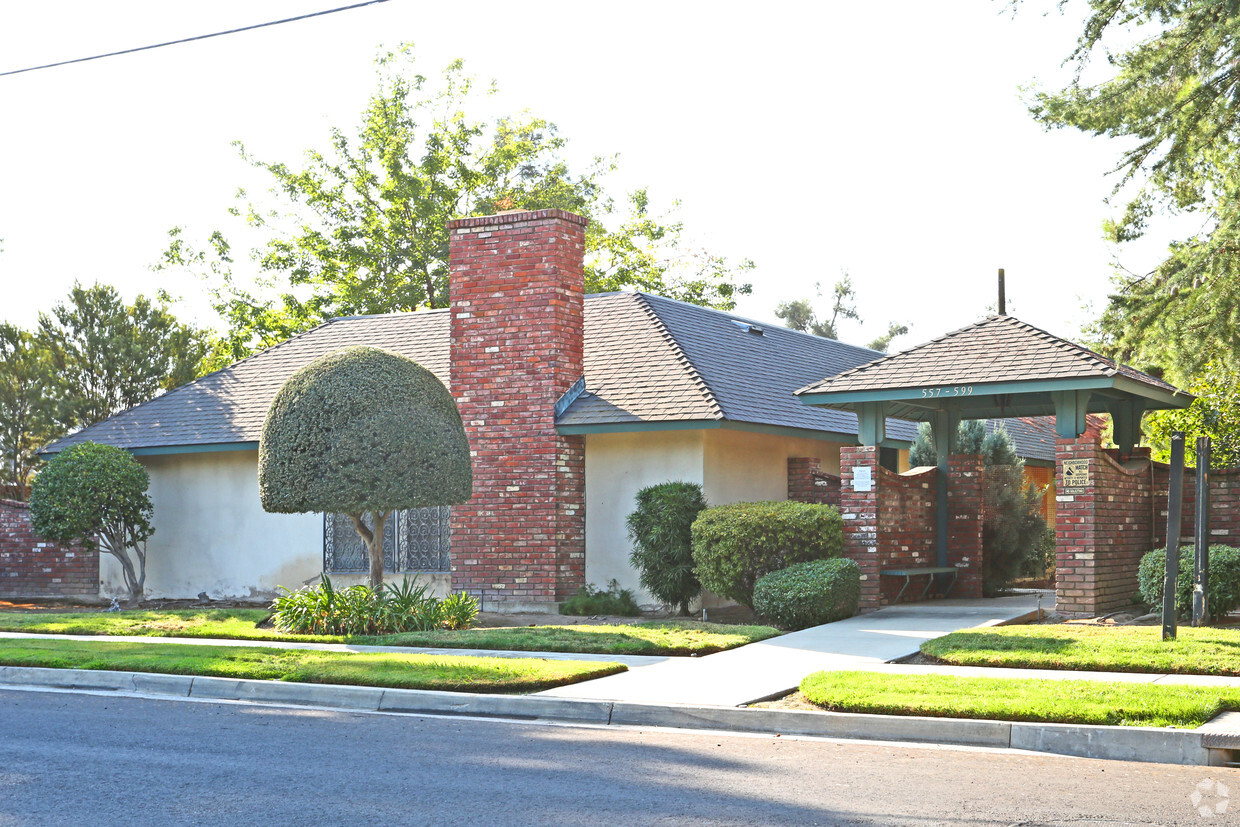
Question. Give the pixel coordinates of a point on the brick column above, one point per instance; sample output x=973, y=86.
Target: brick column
x=964, y=523
x=807, y=483
x=860, y=512
x=517, y=314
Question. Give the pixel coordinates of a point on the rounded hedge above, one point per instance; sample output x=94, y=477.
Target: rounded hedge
x=734, y=545
x=363, y=429
x=1223, y=592
x=809, y=594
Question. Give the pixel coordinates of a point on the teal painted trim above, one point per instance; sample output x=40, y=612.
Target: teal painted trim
x=913, y=395
x=720, y=424
x=872, y=423
x=161, y=450
x=1165, y=399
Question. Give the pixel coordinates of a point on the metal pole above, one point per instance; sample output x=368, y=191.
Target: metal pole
x=1201, y=536
x=1002, y=293
x=1175, y=496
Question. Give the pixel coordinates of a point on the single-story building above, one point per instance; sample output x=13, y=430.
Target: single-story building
x=572, y=404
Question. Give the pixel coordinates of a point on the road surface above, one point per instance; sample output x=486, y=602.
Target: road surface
x=69, y=758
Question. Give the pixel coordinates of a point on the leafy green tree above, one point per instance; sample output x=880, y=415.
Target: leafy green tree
x=1214, y=413
x=25, y=420
x=107, y=356
x=95, y=495
x=800, y=315
x=363, y=432
x=362, y=227
x=1172, y=98
x=660, y=530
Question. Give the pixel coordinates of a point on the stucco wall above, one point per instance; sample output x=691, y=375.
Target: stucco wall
x=617, y=467
x=731, y=466
x=212, y=535
x=741, y=466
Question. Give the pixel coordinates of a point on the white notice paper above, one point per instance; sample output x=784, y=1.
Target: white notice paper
x=863, y=480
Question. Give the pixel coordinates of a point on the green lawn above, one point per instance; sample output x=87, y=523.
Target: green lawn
x=674, y=637
x=1204, y=651
x=1016, y=699
x=467, y=674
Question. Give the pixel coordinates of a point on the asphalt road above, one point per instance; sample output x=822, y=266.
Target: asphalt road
x=85, y=759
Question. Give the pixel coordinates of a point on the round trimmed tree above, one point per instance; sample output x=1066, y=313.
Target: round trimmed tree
x=95, y=495
x=363, y=431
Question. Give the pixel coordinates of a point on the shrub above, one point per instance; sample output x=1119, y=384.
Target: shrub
x=361, y=610
x=95, y=495
x=734, y=545
x=808, y=594
x=610, y=601
x=660, y=529
x=1224, y=589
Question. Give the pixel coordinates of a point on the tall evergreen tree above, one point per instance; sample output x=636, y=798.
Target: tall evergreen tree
x=25, y=413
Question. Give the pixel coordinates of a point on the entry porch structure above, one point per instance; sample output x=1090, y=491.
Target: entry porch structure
x=997, y=368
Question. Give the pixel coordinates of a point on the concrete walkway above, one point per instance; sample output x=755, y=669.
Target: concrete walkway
x=772, y=667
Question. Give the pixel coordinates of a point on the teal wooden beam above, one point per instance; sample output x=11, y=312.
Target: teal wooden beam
x=1126, y=422
x=872, y=423
x=930, y=394
x=1070, y=410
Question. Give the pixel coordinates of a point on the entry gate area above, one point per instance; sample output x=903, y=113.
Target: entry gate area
x=997, y=368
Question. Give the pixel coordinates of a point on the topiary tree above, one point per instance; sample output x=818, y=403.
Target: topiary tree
x=95, y=495
x=363, y=432
x=660, y=529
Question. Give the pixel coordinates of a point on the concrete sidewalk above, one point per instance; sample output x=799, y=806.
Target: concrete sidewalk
x=772, y=667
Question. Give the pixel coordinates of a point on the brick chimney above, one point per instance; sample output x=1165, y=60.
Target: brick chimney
x=516, y=288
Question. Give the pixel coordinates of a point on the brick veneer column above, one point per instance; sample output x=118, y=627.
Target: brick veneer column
x=516, y=295
x=860, y=512
x=32, y=567
x=964, y=523
x=807, y=483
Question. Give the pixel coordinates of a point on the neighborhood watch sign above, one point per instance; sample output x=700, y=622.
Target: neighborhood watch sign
x=1075, y=476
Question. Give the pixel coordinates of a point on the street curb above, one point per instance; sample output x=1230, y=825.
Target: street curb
x=1145, y=744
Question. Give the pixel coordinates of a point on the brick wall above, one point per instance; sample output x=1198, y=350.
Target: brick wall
x=32, y=567
x=808, y=483
x=516, y=302
x=906, y=526
x=860, y=512
x=1102, y=531
x=965, y=486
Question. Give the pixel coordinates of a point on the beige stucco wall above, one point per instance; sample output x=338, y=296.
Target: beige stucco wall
x=731, y=466
x=212, y=535
x=617, y=467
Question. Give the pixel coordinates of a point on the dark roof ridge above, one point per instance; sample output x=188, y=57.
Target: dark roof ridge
x=194, y=381
x=643, y=301
x=759, y=322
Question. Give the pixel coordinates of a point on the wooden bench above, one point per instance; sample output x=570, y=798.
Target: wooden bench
x=909, y=573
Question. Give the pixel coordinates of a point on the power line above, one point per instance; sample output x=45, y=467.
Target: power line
x=191, y=39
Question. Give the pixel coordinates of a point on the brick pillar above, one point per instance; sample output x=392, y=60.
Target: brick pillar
x=860, y=512
x=808, y=483
x=964, y=523
x=517, y=313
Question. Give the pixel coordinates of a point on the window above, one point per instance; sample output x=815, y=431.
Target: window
x=414, y=541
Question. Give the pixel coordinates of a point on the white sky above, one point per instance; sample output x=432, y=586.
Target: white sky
x=888, y=139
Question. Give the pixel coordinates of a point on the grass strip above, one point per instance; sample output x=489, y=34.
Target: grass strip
x=1017, y=699
x=1195, y=651
x=398, y=671
x=674, y=637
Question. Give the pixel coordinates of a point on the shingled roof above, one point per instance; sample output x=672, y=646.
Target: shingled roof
x=649, y=362
x=996, y=349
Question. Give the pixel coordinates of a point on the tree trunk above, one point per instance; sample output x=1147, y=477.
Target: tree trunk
x=373, y=538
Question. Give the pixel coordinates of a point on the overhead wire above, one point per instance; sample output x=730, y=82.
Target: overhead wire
x=191, y=39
